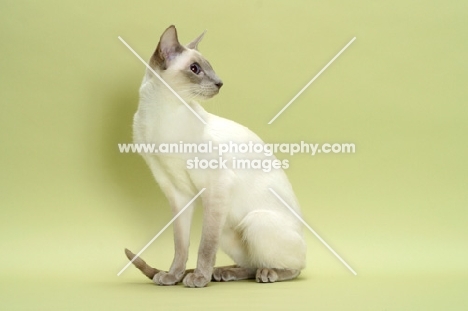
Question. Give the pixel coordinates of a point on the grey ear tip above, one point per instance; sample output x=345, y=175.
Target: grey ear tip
x=194, y=43
x=173, y=27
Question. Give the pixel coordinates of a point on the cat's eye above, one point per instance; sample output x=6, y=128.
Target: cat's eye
x=195, y=68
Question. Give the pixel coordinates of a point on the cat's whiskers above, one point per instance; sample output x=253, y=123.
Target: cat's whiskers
x=189, y=93
x=198, y=93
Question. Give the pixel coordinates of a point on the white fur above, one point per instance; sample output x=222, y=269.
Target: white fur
x=258, y=230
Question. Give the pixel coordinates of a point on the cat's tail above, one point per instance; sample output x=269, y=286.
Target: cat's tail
x=150, y=272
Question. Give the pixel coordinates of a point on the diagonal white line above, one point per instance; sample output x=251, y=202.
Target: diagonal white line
x=313, y=231
x=164, y=82
x=313, y=79
x=160, y=232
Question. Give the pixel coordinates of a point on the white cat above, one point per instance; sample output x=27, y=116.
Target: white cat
x=240, y=214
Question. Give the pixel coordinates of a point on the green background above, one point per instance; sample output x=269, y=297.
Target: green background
x=396, y=210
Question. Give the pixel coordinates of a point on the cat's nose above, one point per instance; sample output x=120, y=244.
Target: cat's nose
x=219, y=84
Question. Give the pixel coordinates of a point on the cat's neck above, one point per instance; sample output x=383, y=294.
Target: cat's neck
x=165, y=116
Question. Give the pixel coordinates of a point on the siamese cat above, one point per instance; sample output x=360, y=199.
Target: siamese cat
x=240, y=214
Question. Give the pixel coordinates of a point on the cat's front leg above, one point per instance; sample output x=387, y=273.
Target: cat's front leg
x=181, y=246
x=215, y=209
x=178, y=199
x=166, y=278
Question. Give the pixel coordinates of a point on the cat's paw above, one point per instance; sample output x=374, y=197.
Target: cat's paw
x=165, y=278
x=196, y=279
x=265, y=275
x=223, y=275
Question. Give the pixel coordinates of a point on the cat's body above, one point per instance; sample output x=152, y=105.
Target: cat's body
x=240, y=214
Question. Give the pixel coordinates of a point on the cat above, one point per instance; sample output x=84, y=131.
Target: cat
x=240, y=214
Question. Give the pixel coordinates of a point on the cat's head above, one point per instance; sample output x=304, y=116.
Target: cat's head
x=184, y=68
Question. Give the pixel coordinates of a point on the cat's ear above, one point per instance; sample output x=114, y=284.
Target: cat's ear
x=194, y=44
x=168, y=48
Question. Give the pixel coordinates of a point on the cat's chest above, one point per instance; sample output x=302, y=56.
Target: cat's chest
x=159, y=126
x=174, y=169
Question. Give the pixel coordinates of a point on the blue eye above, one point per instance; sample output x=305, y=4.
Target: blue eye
x=195, y=68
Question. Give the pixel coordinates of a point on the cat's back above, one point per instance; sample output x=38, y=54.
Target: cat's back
x=223, y=130
x=252, y=184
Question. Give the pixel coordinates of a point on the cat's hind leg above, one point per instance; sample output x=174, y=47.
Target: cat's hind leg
x=261, y=275
x=233, y=273
x=270, y=275
x=231, y=243
x=275, y=245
